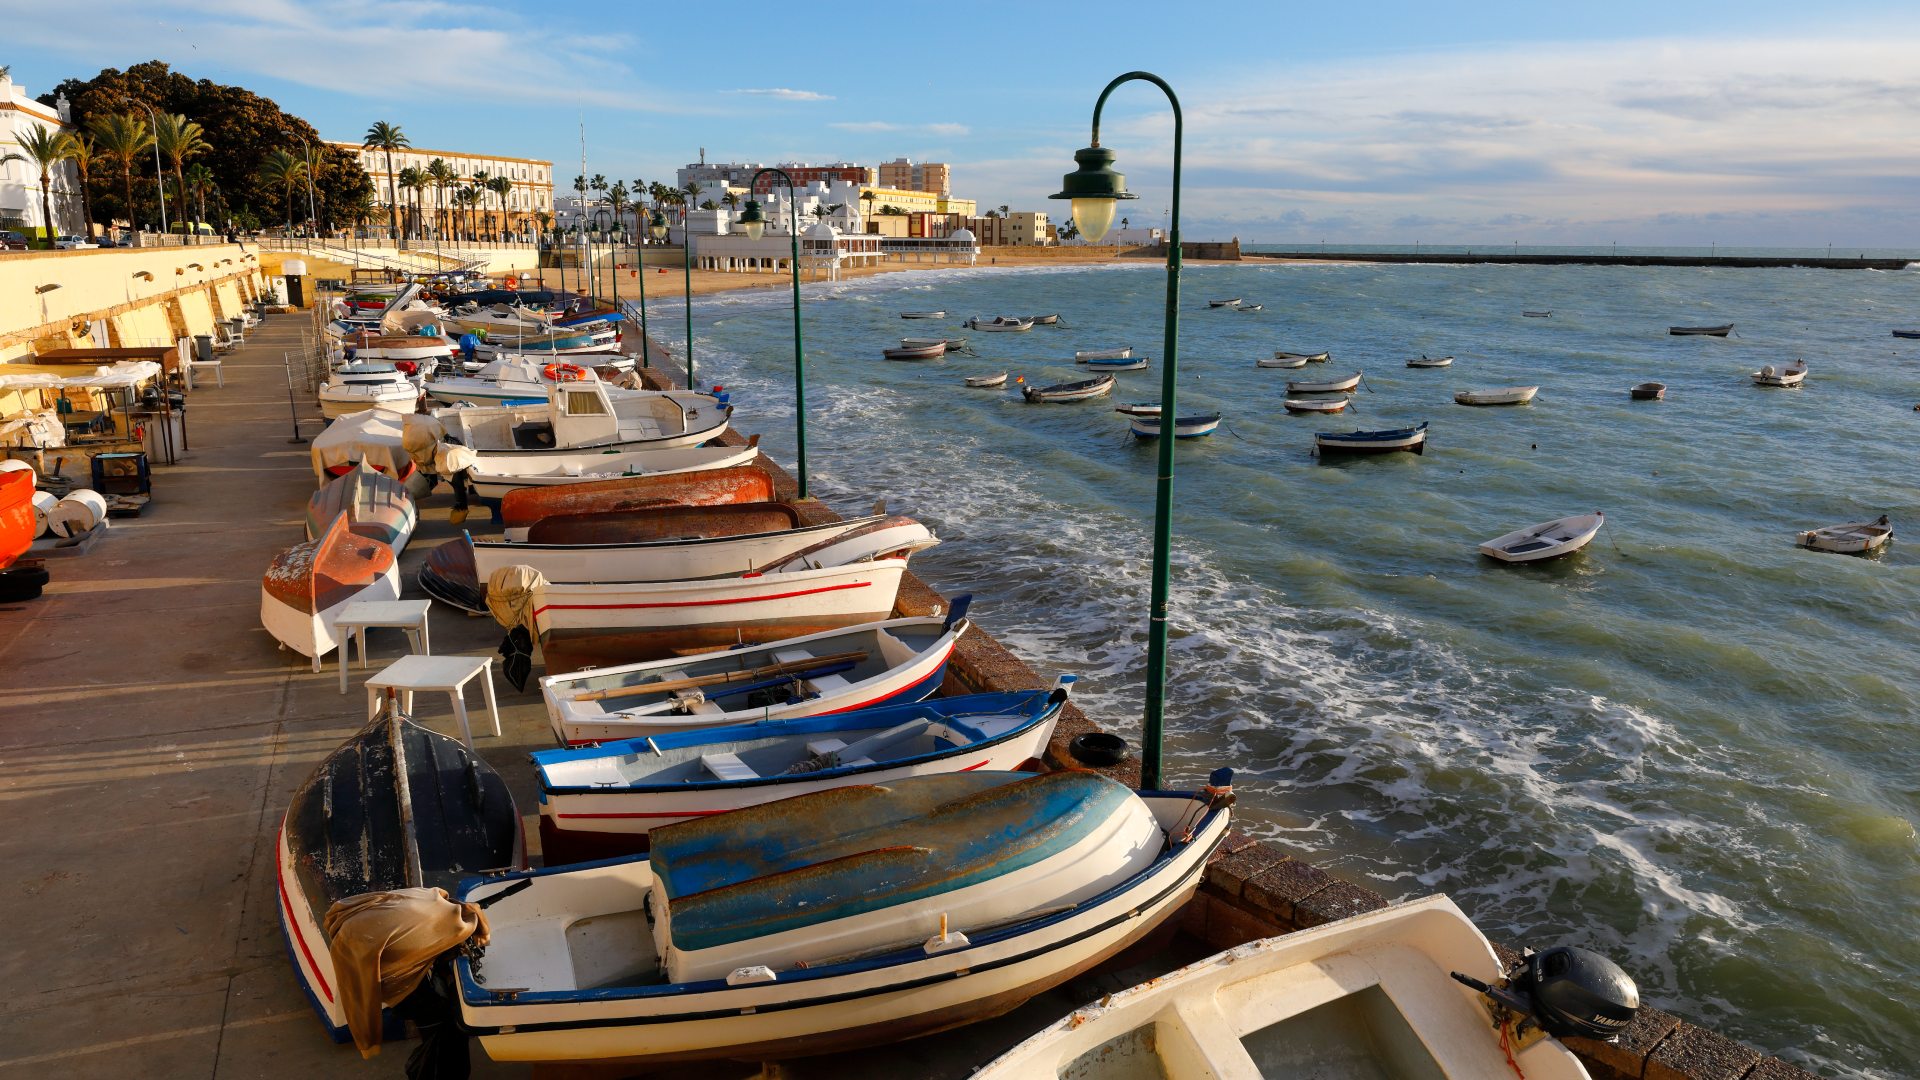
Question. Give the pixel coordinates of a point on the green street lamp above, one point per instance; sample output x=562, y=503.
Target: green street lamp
x=686, y=268
x=755, y=224
x=1095, y=190
x=603, y=220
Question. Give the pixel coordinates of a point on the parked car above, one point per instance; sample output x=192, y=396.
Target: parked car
x=13, y=241
x=73, y=243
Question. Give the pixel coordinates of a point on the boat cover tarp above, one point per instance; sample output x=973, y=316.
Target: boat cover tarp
x=838, y=853
x=383, y=944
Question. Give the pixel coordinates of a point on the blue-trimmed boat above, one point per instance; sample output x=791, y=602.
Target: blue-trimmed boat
x=1184, y=427
x=633, y=786
x=1413, y=439
x=841, y=918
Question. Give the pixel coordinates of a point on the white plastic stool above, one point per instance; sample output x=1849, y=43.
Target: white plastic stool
x=355, y=618
x=447, y=674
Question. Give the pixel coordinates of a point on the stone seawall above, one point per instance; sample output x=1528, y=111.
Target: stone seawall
x=1254, y=889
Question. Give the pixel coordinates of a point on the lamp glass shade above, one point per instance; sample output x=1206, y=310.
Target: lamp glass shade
x=753, y=221
x=657, y=225
x=1094, y=216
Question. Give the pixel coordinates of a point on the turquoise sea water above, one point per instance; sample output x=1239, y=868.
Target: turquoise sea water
x=1692, y=746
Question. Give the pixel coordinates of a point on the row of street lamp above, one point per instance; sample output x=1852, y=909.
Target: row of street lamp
x=1094, y=190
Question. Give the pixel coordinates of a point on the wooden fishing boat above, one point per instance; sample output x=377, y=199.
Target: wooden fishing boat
x=494, y=476
x=1537, y=314
x=1793, y=375
x=1430, y=362
x=1547, y=540
x=1079, y=390
x=681, y=557
x=1235, y=302
x=1289, y=362
x=1139, y=408
x=1000, y=324
x=452, y=574
x=923, y=314
x=1371, y=995
x=1510, y=395
x=1648, y=391
x=891, y=661
x=1906, y=333
x=1130, y=363
x=581, y=623
x=1317, y=405
x=1413, y=439
x=1184, y=427
x=394, y=807
x=945, y=344
x=420, y=348
x=815, y=923
x=1701, y=331
x=376, y=506
x=923, y=352
x=1045, y=320
x=1320, y=357
x=1249, y=307
x=582, y=420
x=631, y=787
x=1857, y=538
x=1081, y=356
x=1323, y=386
x=987, y=382
x=522, y=507
x=308, y=584
x=368, y=385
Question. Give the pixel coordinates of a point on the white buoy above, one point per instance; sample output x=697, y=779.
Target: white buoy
x=43, y=504
x=78, y=513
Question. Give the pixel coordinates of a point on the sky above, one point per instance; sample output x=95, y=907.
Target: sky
x=1759, y=123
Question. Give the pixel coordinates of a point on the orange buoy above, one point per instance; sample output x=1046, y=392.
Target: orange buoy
x=564, y=372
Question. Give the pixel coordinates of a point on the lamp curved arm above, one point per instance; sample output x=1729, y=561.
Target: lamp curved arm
x=1179, y=133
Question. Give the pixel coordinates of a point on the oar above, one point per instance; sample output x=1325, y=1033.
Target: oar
x=721, y=678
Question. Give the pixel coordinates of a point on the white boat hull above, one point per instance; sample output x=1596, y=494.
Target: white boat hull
x=306, y=944
x=1547, y=540
x=400, y=398
x=1324, y=386
x=702, y=557
x=496, y=475
x=314, y=635
x=1858, y=538
x=1513, y=395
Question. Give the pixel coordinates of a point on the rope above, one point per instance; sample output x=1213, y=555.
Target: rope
x=1611, y=540
x=1506, y=1047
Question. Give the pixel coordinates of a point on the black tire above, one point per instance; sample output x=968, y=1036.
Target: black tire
x=22, y=583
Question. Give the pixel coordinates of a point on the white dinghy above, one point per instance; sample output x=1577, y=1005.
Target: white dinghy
x=1857, y=538
x=497, y=474
x=1316, y=405
x=1081, y=356
x=837, y=919
x=1424, y=361
x=1278, y=361
x=1547, y=540
x=1323, y=386
x=1387, y=993
x=1509, y=395
x=1792, y=375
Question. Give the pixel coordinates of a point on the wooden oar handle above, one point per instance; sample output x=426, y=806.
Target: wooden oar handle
x=667, y=686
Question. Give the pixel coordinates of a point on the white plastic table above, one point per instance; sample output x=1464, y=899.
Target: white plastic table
x=355, y=618
x=447, y=674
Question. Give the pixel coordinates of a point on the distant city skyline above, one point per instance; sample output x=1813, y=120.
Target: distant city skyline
x=1761, y=123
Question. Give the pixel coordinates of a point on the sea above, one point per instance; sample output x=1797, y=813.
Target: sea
x=1691, y=747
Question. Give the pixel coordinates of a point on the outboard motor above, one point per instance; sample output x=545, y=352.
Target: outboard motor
x=1565, y=991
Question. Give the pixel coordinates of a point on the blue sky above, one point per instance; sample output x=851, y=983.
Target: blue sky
x=1642, y=123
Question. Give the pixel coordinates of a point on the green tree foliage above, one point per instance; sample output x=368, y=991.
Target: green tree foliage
x=239, y=127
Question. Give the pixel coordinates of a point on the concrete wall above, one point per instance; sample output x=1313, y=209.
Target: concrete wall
x=145, y=295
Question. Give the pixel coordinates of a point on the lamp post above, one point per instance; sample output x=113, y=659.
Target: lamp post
x=1095, y=190
x=656, y=227
x=755, y=224
x=686, y=268
x=159, y=174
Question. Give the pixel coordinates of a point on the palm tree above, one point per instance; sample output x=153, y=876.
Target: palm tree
x=868, y=195
x=413, y=181
x=285, y=170
x=179, y=139
x=730, y=200
x=693, y=190
x=47, y=148
x=468, y=197
x=122, y=138
x=502, y=186
x=315, y=159
x=1003, y=210
x=199, y=183
x=387, y=138
x=83, y=155
x=617, y=195
x=442, y=176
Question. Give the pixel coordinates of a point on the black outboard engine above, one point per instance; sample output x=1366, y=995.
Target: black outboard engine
x=1563, y=992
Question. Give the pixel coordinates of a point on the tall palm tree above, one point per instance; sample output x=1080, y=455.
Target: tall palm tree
x=693, y=190
x=441, y=174
x=179, y=139
x=617, y=195
x=468, y=197
x=598, y=183
x=413, y=181
x=47, y=148
x=284, y=170
x=316, y=161
x=502, y=186
x=868, y=195
x=387, y=138
x=123, y=139
x=83, y=156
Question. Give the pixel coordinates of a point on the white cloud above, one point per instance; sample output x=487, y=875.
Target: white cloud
x=785, y=94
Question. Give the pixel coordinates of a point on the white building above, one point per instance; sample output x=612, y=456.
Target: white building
x=20, y=180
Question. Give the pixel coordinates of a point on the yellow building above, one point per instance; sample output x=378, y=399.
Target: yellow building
x=913, y=202
x=532, y=193
x=902, y=174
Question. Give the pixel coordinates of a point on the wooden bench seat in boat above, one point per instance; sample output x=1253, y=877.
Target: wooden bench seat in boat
x=882, y=863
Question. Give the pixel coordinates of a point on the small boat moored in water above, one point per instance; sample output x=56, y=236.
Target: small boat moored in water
x=637, y=785
x=1045, y=320
x=1510, y=395
x=1425, y=361
x=1081, y=356
x=1906, y=333
x=1235, y=302
x=1395, y=992
x=1139, y=408
x=1078, y=390
x=949, y=344
x=1000, y=324
x=1317, y=405
x=1285, y=359
x=1648, y=391
x=987, y=382
x=1185, y=427
x=1793, y=375
x=1413, y=439
x=1125, y=363
x=1857, y=538
x=916, y=352
x=923, y=314
x=1323, y=386
x=1547, y=540
x=836, y=919
x=1701, y=331
x=1537, y=314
